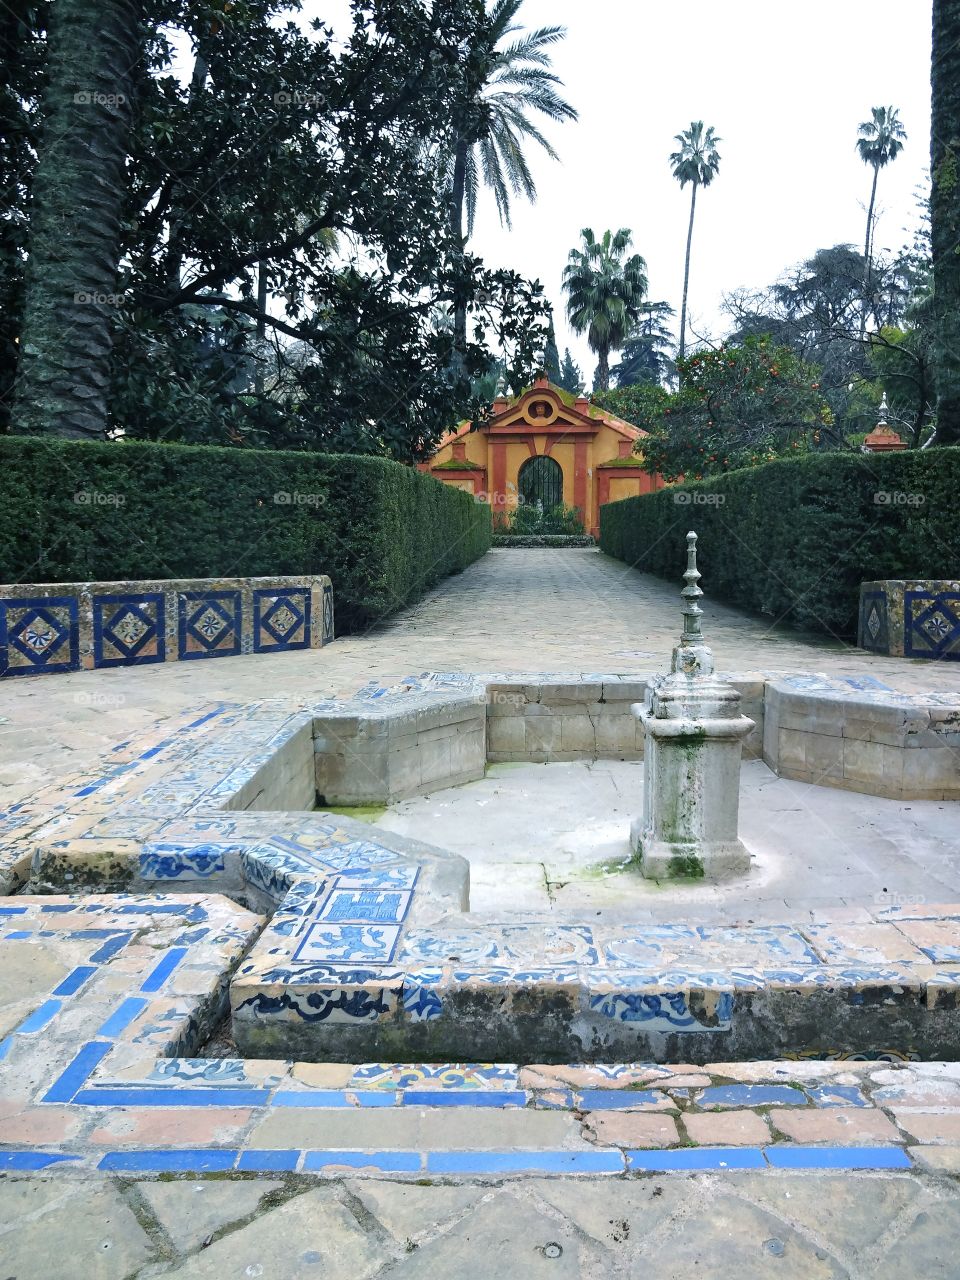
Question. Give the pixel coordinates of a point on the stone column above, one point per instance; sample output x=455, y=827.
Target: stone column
x=693, y=735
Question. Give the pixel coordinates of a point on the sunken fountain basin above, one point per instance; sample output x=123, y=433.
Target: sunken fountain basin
x=371, y=952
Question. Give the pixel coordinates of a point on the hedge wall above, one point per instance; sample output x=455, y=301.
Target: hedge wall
x=75, y=511
x=795, y=538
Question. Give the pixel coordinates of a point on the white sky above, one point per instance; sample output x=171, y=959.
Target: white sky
x=785, y=86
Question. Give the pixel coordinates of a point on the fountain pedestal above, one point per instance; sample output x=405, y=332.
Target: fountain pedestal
x=693, y=741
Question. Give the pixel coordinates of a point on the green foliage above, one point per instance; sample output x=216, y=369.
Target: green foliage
x=646, y=354
x=737, y=406
x=795, y=538
x=901, y=359
x=531, y=518
x=509, y=83
x=604, y=291
x=945, y=216
x=384, y=533
x=291, y=303
x=571, y=379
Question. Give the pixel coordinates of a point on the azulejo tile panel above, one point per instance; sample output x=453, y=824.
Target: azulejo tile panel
x=281, y=619
x=911, y=618
x=208, y=624
x=931, y=621
x=128, y=629
x=38, y=635
x=56, y=627
x=873, y=624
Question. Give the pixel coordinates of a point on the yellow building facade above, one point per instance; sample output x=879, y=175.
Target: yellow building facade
x=540, y=446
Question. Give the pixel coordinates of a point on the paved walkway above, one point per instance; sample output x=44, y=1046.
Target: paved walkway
x=524, y=610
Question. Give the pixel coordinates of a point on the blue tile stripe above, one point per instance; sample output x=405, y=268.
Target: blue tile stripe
x=28, y=1160
x=75, y=980
x=464, y=1098
x=127, y=1011
x=465, y=1162
x=66, y=1085
x=111, y=1096
x=672, y=1161
x=181, y=1161
x=335, y=1098
x=40, y=1017
x=155, y=980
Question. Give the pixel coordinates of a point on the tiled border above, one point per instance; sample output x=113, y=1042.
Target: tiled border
x=167, y=606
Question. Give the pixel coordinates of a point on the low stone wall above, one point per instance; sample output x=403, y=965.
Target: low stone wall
x=372, y=752
x=911, y=619
x=901, y=746
x=53, y=627
x=559, y=719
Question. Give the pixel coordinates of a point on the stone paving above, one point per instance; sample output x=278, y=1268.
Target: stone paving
x=126, y=1156
x=552, y=840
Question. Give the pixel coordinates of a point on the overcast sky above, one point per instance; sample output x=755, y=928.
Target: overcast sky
x=785, y=86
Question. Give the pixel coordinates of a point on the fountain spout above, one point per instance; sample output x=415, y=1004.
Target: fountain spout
x=693, y=741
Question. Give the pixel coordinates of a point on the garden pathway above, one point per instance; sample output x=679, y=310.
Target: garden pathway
x=514, y=610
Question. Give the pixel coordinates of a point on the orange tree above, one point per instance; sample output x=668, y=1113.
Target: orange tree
x=738, y=405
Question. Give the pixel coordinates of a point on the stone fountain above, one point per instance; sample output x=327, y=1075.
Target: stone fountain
x=693, y=740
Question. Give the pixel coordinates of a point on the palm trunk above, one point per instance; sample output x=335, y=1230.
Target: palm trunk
x=457, y=193
x=64, y=375
x=868, y=251
x=261, y=327
x=945, y=216
x=686, y=275
x=603, y=369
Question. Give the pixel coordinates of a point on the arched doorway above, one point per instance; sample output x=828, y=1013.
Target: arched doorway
x=540, y=480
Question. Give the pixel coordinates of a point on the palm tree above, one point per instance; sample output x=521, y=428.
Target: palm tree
x=945, y=216
x=880, y=142
x=513, y=82
x=697, y=162
x=605, y=292
x=78, y=193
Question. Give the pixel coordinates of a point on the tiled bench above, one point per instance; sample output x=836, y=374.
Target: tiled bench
x=54, y=627
x=911, y=619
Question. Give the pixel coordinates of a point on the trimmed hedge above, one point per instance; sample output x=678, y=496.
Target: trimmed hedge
x=795, y=538
x=75, y=511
